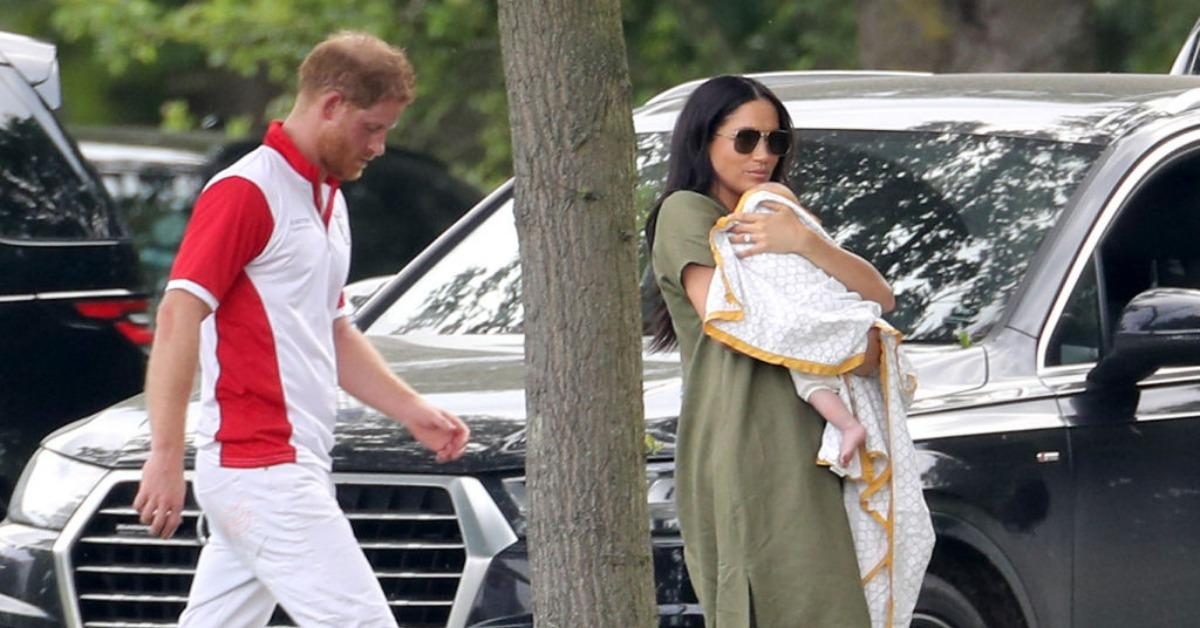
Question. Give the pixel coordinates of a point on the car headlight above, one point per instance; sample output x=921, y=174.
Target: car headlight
x=51, y=488
x=660, y=498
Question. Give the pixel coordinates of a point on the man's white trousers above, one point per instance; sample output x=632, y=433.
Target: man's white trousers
x=276, y=534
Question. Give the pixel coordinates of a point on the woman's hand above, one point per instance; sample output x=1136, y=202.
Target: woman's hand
x=780, y=231
x=777, y=231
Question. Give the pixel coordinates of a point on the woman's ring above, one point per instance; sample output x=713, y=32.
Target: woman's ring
x=746, y=238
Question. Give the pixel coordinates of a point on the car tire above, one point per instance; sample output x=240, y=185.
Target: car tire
x=942, y=605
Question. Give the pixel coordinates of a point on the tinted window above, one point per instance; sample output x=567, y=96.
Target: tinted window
x=951, y=220
x=1151, y=244
x=45, y=193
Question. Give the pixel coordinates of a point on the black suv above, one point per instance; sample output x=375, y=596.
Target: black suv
x=1039, y=231
x=72, y=312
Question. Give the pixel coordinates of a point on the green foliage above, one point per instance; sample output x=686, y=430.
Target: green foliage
x=164, y=48
x=1142, y=36
x=461, y=113
x=177, y=116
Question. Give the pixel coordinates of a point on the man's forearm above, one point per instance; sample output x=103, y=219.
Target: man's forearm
x=171, y=371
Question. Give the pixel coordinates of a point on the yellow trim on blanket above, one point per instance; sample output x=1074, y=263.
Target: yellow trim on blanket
x=721, y=223
x=875, y=478
x=891, y=528
x=741, y=346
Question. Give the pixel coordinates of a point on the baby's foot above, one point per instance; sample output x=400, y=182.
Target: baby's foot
x=853, y=437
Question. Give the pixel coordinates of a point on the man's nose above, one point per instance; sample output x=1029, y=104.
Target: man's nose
x=378, y=145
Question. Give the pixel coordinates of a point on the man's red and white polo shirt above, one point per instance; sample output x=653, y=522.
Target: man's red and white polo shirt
x=268, y=249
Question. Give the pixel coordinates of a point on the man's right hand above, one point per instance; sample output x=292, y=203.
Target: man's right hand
x=159, y=500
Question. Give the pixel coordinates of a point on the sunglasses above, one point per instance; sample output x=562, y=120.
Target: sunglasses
x=779, y=142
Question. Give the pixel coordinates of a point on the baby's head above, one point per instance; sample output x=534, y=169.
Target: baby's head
x=780, y=189
x=775, y=187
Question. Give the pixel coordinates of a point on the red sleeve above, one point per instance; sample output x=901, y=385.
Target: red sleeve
x=231, y=224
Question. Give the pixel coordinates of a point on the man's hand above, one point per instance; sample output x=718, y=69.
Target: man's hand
x=441, y=432
x=159, y=500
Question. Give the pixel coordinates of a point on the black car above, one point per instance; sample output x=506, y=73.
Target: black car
x=1039, y=231
x=72, y=309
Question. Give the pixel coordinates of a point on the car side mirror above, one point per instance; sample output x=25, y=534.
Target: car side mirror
x=1160, y=327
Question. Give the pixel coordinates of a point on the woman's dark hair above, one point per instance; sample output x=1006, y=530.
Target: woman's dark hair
x=689, y=167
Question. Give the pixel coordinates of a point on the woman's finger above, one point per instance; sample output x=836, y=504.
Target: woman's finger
x=775, y=206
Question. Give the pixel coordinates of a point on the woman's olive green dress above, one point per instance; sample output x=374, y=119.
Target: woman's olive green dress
x=765, y=533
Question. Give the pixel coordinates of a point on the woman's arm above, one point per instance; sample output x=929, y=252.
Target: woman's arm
x=696, y=279
x=781, y=232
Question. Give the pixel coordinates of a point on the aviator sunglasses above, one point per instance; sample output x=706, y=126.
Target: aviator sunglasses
x=746, y=140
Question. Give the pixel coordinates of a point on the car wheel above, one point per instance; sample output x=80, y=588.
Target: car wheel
x=942, y=605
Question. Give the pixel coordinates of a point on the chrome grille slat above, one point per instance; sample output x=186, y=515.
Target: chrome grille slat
x=411, y=534
x=130, y=512
x=126, y=624
x=416, y=574
x=386, y=516
x=130, y=540
x=114, y=597
x=416, y=546
x=165, y=571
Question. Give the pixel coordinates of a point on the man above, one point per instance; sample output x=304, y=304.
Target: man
x=256, y=292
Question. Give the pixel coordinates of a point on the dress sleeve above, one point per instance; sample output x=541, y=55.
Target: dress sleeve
x=230, y=226
x=681, y=235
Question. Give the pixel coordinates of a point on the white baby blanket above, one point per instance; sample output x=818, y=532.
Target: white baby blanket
x=783, y=309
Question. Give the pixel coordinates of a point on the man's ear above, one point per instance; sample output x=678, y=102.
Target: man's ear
x=329, y=103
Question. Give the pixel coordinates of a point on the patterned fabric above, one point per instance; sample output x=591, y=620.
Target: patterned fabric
x=889, y=520
x=785, y=310
x=782, y=308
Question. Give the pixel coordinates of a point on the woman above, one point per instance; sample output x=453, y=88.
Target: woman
x=766, y=537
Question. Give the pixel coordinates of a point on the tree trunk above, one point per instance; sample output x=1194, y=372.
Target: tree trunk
x=569, y=108
x=976, y=35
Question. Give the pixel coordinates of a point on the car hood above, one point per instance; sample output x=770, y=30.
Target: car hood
x=479, y=378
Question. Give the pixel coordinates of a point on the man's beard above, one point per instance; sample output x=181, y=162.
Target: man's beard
x=339, y=158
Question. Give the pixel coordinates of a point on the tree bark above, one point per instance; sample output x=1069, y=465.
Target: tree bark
x=570, y=113
x=976, y=35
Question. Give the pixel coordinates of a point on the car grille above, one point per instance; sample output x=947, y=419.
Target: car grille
x=124, y=578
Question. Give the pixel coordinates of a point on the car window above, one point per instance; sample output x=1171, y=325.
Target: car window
x=155, y=199
x=1150, y=244
x=951, y=220
x=1079, y=335
x=45, y=190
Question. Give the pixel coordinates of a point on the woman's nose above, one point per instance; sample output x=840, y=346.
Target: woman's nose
x=760, y=152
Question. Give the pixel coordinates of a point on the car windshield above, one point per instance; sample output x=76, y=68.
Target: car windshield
x=951, y=220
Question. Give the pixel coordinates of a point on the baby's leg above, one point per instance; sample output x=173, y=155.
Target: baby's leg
x=830, y=406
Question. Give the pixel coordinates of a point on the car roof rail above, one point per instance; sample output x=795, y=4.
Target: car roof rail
x=1188, y=59
x=772, y=79
x=37, y=62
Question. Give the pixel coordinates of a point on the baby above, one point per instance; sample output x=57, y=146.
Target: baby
x=844, y=313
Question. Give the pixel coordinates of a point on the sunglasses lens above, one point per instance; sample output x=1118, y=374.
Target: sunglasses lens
x=778, y=142
x=746, y=140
